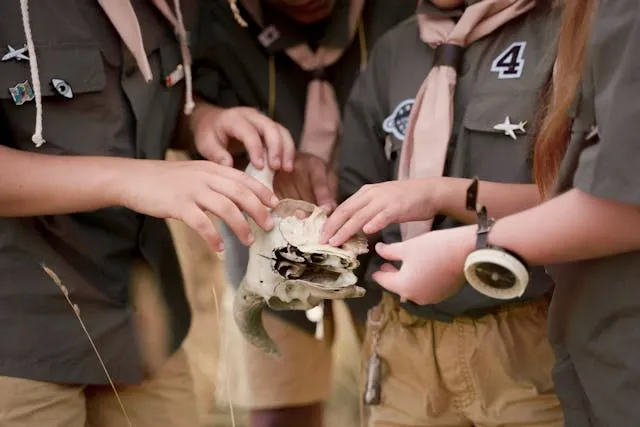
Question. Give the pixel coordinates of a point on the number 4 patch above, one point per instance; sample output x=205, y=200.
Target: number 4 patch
x=510, y=62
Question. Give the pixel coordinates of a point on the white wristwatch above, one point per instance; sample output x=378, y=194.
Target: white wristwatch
x=492, y=270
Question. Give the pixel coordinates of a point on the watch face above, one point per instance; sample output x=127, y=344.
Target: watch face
x=495, y=276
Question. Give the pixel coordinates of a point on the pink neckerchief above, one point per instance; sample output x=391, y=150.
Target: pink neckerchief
x=424, y=150
x=123, y=17
x=322, y=113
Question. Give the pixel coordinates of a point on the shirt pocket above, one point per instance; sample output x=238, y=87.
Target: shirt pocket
x=497, y=135
x=74, y=123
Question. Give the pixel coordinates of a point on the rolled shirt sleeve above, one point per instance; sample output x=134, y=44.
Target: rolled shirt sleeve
x=610, y=169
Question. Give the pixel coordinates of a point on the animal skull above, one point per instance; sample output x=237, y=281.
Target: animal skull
x=289, y=270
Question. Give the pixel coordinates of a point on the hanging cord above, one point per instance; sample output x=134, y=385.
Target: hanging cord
x=189, y=104
x=233, y=4
x=362, y=39
x=37, y=137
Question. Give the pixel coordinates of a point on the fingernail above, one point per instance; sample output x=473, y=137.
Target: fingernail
x=269, y=223
x=220, y=247
x=276, y=163
x=274, y=200
x=332, y=241
x=250, y=239
x=290, y=166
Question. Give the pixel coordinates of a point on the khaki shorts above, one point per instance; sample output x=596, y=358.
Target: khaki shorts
x=165, y=399
x=301, y=376
x=495, y=370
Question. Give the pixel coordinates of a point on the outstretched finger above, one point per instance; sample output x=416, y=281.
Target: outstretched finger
x=378, y=222
x=263, y=193
x=341, y=215
x=195, y=218
x=392, y=252
x=392, y=281
x=288, y=149
x=228, y=213
x=245, y=132
x=211, y=148
x=247, y=201
x=388, y=268
x=354, y=224
x=270, y=135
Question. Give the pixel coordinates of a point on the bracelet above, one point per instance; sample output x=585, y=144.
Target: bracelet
x=492, y=270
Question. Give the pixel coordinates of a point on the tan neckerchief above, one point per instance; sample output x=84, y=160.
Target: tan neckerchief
x=322, y=113
x=424, y=150
x=124, y=19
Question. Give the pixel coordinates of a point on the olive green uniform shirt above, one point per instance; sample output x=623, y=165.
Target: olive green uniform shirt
x=594, y=319
x=502, y=75
x=113, y=112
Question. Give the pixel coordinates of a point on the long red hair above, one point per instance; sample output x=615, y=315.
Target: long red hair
x=553, y=134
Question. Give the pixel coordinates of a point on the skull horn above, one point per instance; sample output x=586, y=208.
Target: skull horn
x=247, y=312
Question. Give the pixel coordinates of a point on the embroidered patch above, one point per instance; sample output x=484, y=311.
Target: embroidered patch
x=22, y=92
x=510, y=63
x=398, y=121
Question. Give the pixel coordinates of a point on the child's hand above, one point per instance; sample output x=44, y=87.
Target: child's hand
x=432, y=265
x=375, y=206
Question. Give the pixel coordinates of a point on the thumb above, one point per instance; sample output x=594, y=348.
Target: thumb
x=390, y=280
x=392, y=252
x=213, y=149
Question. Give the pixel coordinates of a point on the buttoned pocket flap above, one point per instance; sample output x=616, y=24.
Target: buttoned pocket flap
x=501, y=113
x=79, y=66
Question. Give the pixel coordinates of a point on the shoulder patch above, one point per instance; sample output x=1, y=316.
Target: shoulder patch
x=398, y=121
x=510, y=62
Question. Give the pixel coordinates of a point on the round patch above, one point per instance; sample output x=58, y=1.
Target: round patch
x=398, y=121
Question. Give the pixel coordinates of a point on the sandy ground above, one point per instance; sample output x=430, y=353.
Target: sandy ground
x=204, y=343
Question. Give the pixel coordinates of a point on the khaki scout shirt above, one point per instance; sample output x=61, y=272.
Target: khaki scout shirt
x=113, y=112
x=502, y=75
x=594, y=319
x=231, y=68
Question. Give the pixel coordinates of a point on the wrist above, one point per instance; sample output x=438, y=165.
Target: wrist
x=436, y=194
x=117, y=174
x=491, y=269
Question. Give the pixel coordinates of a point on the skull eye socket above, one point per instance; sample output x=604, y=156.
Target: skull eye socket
x=317, y=258
x=289, y=271
x=290, y=253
